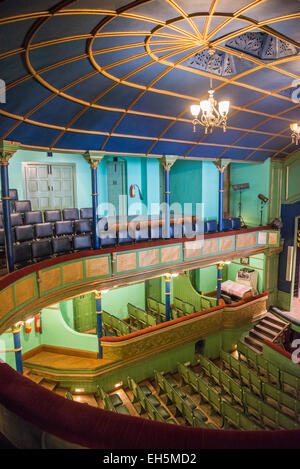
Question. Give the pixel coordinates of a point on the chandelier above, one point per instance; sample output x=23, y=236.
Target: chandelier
x=295, y=128
x=211, y=113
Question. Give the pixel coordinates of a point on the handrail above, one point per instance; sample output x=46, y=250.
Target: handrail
x=94, y=428
x=284, y=315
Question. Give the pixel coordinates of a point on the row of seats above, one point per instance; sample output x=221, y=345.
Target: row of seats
x=139, y=318
x=24, y=215
x=114, y=326
x=112, y=402
x=263, y=389
x=253, y=405
x=184, y=405
x=281, y=379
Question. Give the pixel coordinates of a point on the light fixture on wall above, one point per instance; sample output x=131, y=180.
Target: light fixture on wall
x=295, y=128
x=211, y=113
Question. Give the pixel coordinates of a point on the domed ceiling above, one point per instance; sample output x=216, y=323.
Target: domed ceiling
x=119, y=76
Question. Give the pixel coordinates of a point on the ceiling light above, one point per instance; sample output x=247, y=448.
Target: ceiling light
x=212, y=113
x=295, y=128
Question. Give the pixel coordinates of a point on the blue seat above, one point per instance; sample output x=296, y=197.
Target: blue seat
x=22, y=254
x=227, y=224
x=33, y=217
x=210, y=226
x=199, y=227
x=236, y=223
x=24, y=233
x=16, y=219
x=86, y=213
x=63, y=228
x=61, y=245
x=155, y=232
x=22, y=206
x=82, y=226
x=70, y=214
x=141, y=233
x=81, y=242
x=52, y=215
x=41, y=249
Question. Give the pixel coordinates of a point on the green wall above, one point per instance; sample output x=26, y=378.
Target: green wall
x=258, y=177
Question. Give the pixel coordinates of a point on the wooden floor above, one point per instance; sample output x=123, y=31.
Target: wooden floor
x=61, y=361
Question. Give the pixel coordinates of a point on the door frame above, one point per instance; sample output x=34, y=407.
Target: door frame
x=31, y=163
x=297, y=218
x=124, y=175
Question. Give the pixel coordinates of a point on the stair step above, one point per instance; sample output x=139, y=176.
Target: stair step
x=266, y=323
x=260, y=328
x=48, y=384
x=258, y=335
x=276, y=321
x=254, y=343
x=34, y=377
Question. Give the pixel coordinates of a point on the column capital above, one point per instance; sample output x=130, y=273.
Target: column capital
x=167, y=161
x=93, y=158
x=221, y=165
x=7, y=150
x=98, y=295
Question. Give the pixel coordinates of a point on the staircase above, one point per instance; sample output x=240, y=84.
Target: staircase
x=271, y=328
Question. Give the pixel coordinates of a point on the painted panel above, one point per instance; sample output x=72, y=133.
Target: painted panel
x=247, y=240
x=7, y=303
x=97, y=267
x=170, y=254
x=126, y=262
x=149, y=258
x=50, y=279
x=25, y=290
x=72, y=272
x=210, y=247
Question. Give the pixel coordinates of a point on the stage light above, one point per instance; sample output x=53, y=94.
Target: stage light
x=263, y=198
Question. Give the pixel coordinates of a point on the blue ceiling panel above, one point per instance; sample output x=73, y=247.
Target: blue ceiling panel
x=293, y=114
x=205, y=151
x=58, y=111
x=245, y=120
x=182, y=131
x=109, y=58
x=119, y=94
x=161, y=104
x=127, y=145
x=12, y=69
x=108, y=42
x=170, y=148
x=21, y=7
x=252, y=140
x=272, y=104
x=6, y=123
x=160, y=10
x=94, y=4
x=266, y=79
x=266, y=10
x=23, y=98
x=12, y=38
x=89, y=89
x=277, y=143
x=218, y=136
x=289, y=28
x=141, y=126
x=60, y=77
x=273, y=126
x=260, y=156
x=24, y=133
x=145, y=76
x=77, y=141
x=238, y=96
x=66, y=26
x=45, y=56
x=97, y=119
x=127, y=24
x=124, y=69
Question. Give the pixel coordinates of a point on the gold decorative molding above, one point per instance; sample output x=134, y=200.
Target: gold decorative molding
x=93, y=158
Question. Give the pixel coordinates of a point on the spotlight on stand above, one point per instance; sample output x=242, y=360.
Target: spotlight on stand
x=240, y=187
x=263, y=200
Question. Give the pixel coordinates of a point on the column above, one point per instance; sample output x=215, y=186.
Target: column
x=219, y=280
x=93, y=159
x=167, y=162
x=99, y=327
x=168, y=278
x=221, y=166
x=17, y=347
x=7, y=150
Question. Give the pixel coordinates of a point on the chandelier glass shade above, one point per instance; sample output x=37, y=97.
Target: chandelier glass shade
x=209, y=113
x=295, y=129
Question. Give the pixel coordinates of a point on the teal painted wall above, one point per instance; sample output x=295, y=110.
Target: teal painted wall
x=210, y=190
x=115, y=301
x=186, y=184
x=258, y=176
x=206, y=279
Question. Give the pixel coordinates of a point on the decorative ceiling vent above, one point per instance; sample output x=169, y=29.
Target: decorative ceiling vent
x=262, y=46
x=222, y=64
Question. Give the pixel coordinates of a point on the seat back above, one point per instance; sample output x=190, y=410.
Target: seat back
x=22, y=206
x=22, y=253
x=210, y=226
x=41, y=249
x=86, y=213
x=33, y=217
x=63, y=228
x=81, y=242
x=61, y=245
x=24, y=233
x=236, y=223
x=43, y=230
x=13, y=194
x=227, y=224
x=52, y=215
x=82, y=226
x=70, y=213
x=16, y=219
